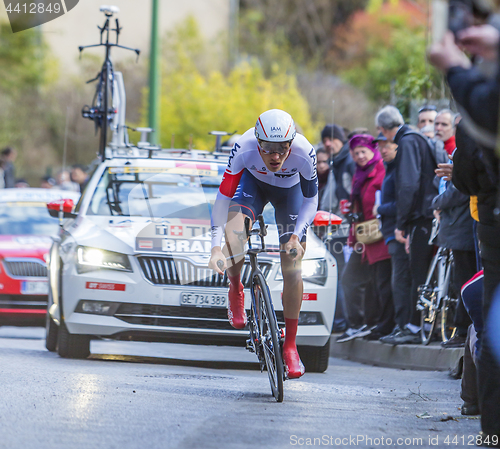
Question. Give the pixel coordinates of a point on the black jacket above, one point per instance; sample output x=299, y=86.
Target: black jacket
x=477, y=94
x=475, y=172
x=456, y=226
x=387, y=208
x=343, y=168
x=9, y=175
x=416, y=161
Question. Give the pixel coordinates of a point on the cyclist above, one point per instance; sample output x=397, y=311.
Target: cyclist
x=269, y=163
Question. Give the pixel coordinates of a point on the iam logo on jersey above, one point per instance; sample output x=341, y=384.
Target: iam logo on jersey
x=25, y=14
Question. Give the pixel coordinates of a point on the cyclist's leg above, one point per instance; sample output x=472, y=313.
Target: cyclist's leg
x=287, y=205
x=247, y=201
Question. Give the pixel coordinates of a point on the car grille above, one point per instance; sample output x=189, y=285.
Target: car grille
x=170, y=271
x=23, y=302
x=177, y=316
x=28, y=268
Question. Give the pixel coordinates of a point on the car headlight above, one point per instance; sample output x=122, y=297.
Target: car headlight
x=313, y=270
x=89, y=259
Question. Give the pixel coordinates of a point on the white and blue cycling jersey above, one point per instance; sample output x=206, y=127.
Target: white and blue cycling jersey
x=249, y=185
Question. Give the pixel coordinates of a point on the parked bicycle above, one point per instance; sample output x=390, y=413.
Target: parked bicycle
x=102, y=110
x=437, y=298
x=266, y=337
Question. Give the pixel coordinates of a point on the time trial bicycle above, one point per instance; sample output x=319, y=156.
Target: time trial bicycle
x=265, y=336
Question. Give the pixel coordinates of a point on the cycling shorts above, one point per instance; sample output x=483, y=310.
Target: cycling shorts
x=252, y=195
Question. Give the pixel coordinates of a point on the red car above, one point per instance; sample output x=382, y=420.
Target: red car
x=25, y=240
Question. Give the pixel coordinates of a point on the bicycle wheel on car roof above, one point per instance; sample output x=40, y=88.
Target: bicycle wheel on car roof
x=269, y=336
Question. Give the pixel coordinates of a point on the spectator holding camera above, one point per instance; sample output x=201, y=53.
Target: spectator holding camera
x=478, y=98
x=370, y=261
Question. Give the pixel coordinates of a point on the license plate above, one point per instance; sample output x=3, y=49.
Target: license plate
x=196, y=299
x=35, y=288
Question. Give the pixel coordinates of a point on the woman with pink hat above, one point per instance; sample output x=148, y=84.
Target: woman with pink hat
x=367, y=275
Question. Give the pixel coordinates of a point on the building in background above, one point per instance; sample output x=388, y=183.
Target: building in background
x=79, y=25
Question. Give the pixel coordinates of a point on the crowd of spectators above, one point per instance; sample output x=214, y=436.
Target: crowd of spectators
x=444, y=169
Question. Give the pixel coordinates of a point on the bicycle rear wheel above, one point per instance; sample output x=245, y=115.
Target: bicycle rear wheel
x=428, y=304
x=269, y=336
x=448, y=318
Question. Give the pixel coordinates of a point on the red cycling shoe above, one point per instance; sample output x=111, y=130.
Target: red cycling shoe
x=293, y=365
x=236, y=310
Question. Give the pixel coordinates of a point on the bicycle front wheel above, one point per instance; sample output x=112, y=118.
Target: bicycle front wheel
x=269, y=336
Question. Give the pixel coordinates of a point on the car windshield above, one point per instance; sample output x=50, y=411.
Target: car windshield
x=155, y=192
x=29, y=218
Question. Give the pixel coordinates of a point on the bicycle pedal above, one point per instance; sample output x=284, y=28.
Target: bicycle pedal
x=282, y=333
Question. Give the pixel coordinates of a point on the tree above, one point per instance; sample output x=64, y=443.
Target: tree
x=384, y=53
x=293, y=32
x=196, y=100
x=23, y=61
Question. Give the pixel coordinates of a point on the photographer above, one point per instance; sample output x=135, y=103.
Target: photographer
x=478, y=97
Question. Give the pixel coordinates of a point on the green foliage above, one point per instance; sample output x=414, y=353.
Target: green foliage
x=399, y=68
x=269, y=47
x=22, y=60
x=195, y=102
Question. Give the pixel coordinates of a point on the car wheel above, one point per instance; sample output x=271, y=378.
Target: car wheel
x=72, y=346
x=51, y=332
x=314, y=358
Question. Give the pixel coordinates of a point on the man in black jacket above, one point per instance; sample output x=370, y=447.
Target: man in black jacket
x=415, y=162
x=342, y=165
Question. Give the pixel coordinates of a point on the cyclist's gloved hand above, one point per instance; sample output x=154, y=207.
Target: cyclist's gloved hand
x=294, y=243
x=217, y=260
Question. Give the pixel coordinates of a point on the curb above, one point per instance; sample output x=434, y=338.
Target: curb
x=413, y=357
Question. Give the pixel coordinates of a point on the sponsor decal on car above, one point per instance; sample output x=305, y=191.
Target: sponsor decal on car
x=308, y=296
x=105, y=286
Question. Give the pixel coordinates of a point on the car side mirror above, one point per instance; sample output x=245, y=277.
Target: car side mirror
x=61, y=209
x=323, y=218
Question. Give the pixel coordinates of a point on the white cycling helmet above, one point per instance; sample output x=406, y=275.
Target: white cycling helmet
x=275, y=125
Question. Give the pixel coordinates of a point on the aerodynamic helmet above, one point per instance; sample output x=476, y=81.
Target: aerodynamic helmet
x=275, y=125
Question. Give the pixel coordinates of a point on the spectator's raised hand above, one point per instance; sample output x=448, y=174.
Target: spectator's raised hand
x=446, y=54
x=444, y=171
x=481, y=40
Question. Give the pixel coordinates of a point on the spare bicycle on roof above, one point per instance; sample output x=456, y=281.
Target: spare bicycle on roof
x=105, y=105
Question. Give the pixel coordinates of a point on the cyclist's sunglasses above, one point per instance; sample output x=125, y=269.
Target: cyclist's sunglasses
x=274, y=147
x=430, y=107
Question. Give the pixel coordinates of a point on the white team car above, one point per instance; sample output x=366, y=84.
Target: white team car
x=130, y=262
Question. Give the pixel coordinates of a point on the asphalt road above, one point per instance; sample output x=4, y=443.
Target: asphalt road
x=153, y=395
